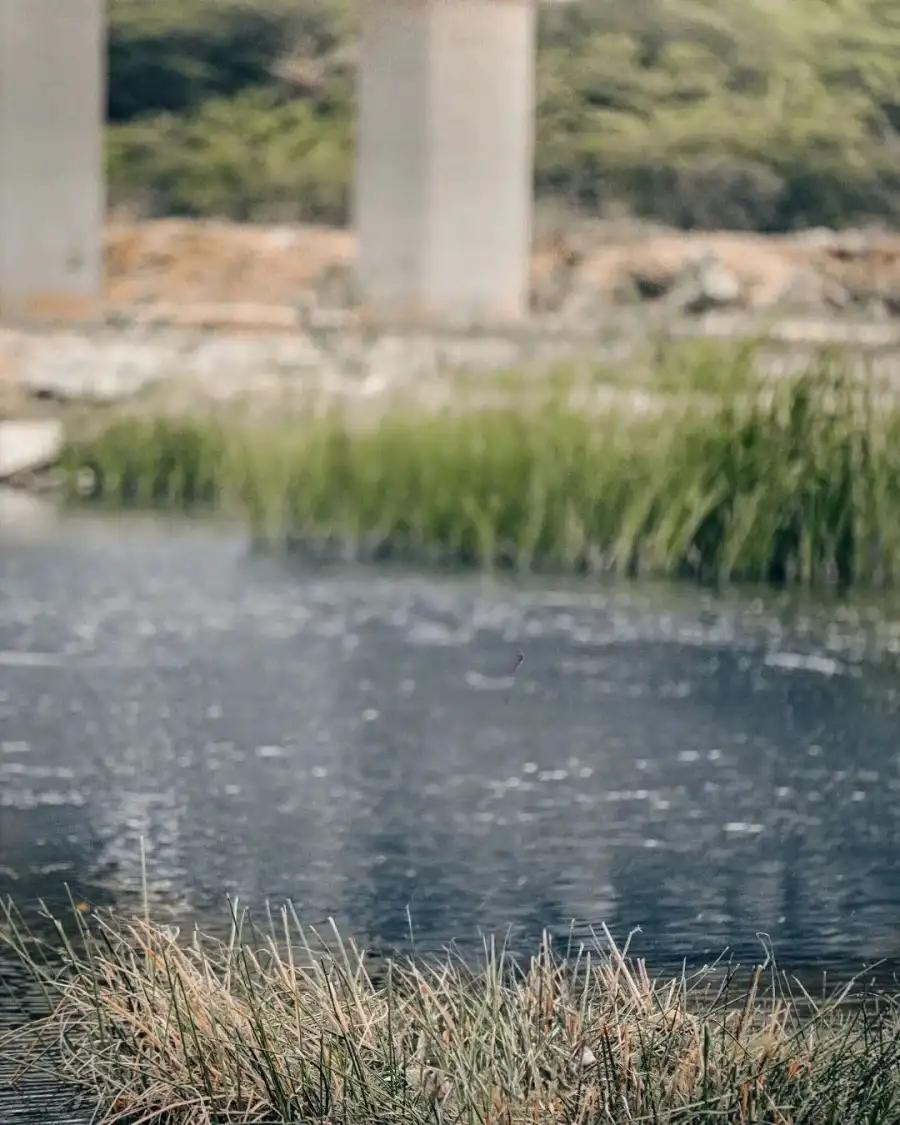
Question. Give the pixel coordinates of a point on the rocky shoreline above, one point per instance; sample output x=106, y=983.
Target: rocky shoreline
x=583, y=272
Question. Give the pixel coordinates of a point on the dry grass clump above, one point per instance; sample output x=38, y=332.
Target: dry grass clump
x=281, y=1025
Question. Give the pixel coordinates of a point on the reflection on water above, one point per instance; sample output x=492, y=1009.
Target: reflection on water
x=353, y=740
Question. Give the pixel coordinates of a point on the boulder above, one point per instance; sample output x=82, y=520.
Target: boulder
x=77, y=368
x=27, y=446
x=707, y=284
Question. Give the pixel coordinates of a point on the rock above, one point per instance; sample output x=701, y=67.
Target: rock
x=802, y=289
x=235, y=316
x=554, y=270
x=851, y=244
x=835, y=296
x=833, y=333
x=79, y=368
x=819, y=238
x=334, y=286
x=550, y=291
x=892, y=302
x=584, y=309
x=708, y=284
x=652, y=279
x=877, y=310
x=28, y=446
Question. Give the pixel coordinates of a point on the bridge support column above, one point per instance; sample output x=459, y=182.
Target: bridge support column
x=444, y=159
x=52, y=90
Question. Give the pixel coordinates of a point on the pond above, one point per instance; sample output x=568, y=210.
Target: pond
x=718, y=770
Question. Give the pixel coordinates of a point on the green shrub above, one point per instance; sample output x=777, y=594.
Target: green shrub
x=708, y=113
x=724, y=113
x=254, y=157
x=171, y=55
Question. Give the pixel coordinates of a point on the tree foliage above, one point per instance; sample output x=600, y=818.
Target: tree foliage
x=752, y=114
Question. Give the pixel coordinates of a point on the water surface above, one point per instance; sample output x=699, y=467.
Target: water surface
x=709, y=769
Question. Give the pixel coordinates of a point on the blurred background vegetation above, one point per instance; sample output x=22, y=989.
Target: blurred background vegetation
x=749, y=114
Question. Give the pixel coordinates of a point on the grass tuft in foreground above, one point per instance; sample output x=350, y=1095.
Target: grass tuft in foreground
x=280, y=1026
x=727, y=476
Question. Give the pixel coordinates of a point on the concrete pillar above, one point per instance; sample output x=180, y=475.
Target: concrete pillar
x=444, y=157
x=52, y=93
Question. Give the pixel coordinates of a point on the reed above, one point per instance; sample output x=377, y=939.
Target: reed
x=281, y=1024
x=728, y=476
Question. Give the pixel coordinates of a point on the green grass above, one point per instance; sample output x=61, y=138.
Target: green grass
x=278, y=1025
x=786, y=480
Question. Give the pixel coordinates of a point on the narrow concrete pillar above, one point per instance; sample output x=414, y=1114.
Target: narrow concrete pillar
x=52, y=195
x=444, y=158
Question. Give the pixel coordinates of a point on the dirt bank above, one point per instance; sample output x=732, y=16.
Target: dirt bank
x=580, y=273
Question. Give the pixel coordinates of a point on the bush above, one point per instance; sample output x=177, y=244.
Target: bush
x=254, y=157
x=171, y=55
x=722, y=114
x=708, y=113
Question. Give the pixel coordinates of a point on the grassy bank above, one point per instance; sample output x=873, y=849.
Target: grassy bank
x=281, y=1026
x=795, y=479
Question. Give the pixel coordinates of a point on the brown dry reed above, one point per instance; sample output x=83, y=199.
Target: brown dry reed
x=283, y=1024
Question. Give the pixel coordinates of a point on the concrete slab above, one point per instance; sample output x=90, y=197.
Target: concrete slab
x=29, y=445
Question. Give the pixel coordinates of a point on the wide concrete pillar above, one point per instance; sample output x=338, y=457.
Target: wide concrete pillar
x=52, y=197
x=444, y=157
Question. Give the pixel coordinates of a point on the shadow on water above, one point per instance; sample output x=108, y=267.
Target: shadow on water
x=709, y=769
